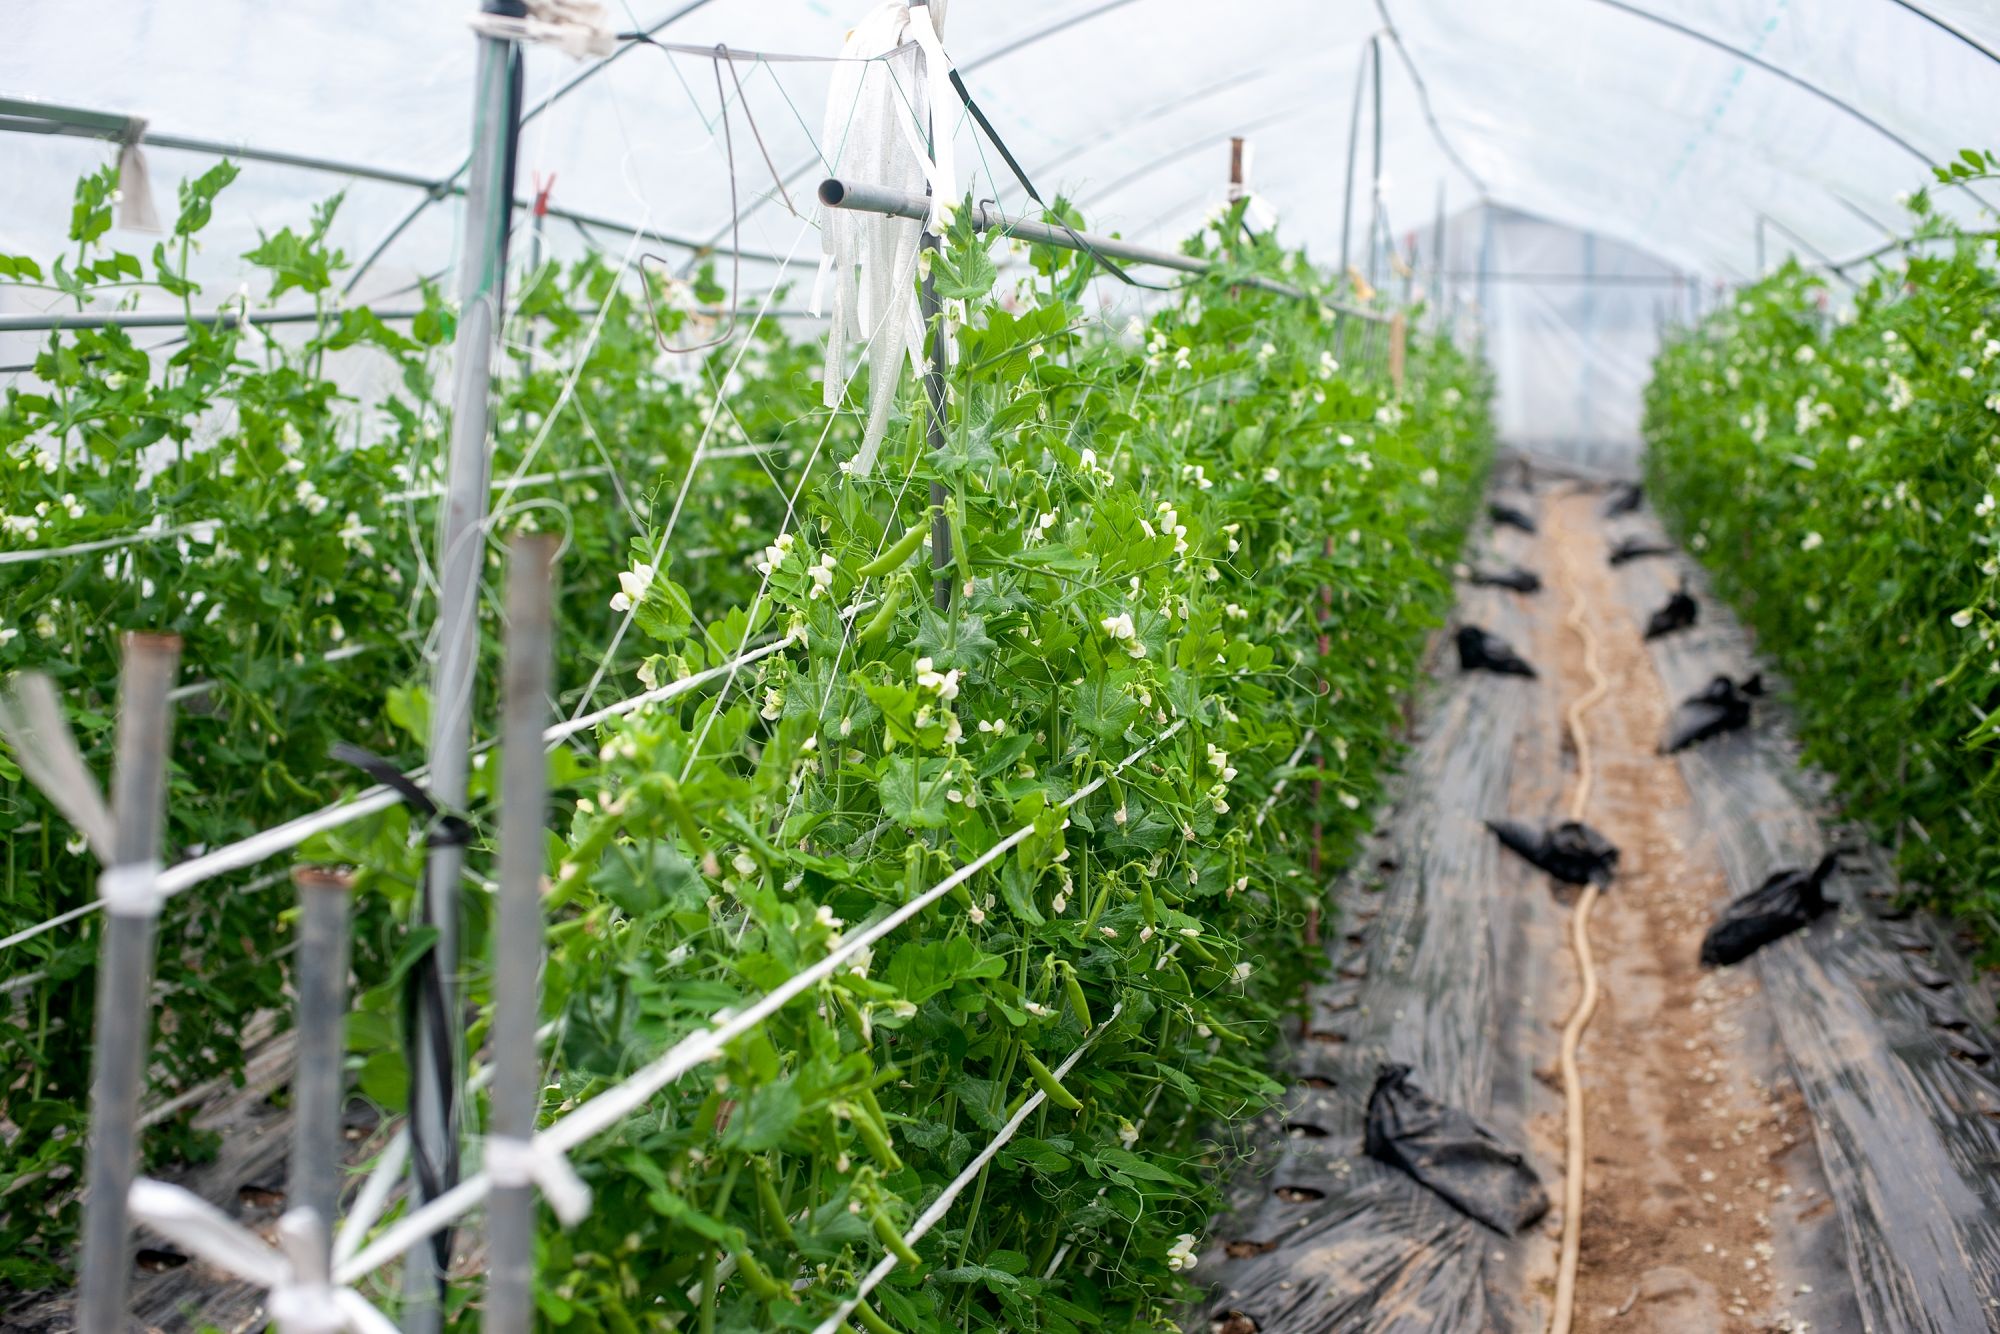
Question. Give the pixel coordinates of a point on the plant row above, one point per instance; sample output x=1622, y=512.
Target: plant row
x=1833, y=455
x=1147, y=527
x=273, y=500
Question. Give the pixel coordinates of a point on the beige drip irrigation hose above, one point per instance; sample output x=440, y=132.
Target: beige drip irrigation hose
x=1586, y=1003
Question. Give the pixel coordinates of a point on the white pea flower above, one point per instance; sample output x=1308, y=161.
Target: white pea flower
x=1182, y=358
x=1181, y=1254
x=1046, y=521
x=632, y=586
x=1037, y=1009
x=1811, y=542
x=774, y=704
x=1961, y=619
x=1985, y=505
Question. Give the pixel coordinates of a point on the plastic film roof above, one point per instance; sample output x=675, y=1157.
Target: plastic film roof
x=1596, y=113
x=1706, y=135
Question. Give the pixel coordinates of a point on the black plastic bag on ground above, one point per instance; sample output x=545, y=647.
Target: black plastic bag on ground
x=1448, y=1151
x=1721, y=706
x=1781, y=905
x=1679, y=613
x=1514, y=577
x=1482, y=651
x=1509, y=517
x=1572, y=852
x=1625, y=500
x=1633, y=548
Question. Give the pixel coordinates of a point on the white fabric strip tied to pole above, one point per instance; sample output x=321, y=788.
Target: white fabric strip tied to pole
x=303, y=1298
x=534, y=1162
x=880, y=127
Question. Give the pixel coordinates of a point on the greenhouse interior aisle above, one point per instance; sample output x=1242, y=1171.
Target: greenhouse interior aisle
x=1712, y=1096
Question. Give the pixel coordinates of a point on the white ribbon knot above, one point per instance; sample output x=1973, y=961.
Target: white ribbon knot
x=531, y=1162
x=302, y=1297
x=132, y=890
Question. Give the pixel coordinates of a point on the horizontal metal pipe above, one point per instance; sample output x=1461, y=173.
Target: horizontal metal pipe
x=76, y=122
x=865, y=198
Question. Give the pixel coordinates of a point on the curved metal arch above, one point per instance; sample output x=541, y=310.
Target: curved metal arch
x=1001, y=52
x=555, y=95
x=1424, y=98
x=1942, y=26
x=1803, y=84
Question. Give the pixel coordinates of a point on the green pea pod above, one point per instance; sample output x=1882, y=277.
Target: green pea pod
x=886, y=1233
x=899, y=551
x=959, y=555
x=1050, y=1085
x=885, y=615
x=1148, y=909
x=876, y=1136
x=1074, y=990
x=871, y=1322
x=774, y=1209
x=759, y=1278
x=1198, y=950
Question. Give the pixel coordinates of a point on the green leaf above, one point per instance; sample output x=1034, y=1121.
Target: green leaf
x=921, y=970
x=911, y=792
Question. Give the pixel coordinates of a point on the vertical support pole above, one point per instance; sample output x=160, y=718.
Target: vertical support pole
x=461, y=554
x=1440, y=283
x=517, y=960
x=319, y=1090
x=1353, y=153
x=932, y=311
x=1399, y=344
x=1586, y=379
x=1235, y=167
x=1376, y=225
x=129, y=887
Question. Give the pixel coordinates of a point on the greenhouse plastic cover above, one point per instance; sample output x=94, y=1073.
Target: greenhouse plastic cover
x=1665, y=130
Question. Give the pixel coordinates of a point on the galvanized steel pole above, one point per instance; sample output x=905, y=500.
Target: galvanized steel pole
x=125, y=975
x=517, y=958
x=319, y=1087
x=461, y=554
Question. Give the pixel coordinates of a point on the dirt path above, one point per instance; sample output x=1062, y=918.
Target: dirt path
x=1690, y=1146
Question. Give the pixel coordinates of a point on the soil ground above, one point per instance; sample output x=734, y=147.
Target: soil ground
x=1693, y=1148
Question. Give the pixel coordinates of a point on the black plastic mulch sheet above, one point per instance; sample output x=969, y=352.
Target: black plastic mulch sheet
x=1787, y=901
x=1723, y=705
x=1513, y=576
x=1572, y=851
x=1890, y=1046
x=1625, y=500
x=1480, y=650
x=1319, y=1236
x=1510, y=516
x=1449, y=1152
x=1629, y=549
x=1678, y=613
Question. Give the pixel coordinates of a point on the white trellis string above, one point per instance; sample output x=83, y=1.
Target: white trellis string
x=266, y=843
x=613, y=1105
x=701, y=452
x=204, y=526
x=941, y=1207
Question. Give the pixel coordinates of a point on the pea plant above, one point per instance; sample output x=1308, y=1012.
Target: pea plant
x=1124, y=672
x=229, y=484
x=1832, y=457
